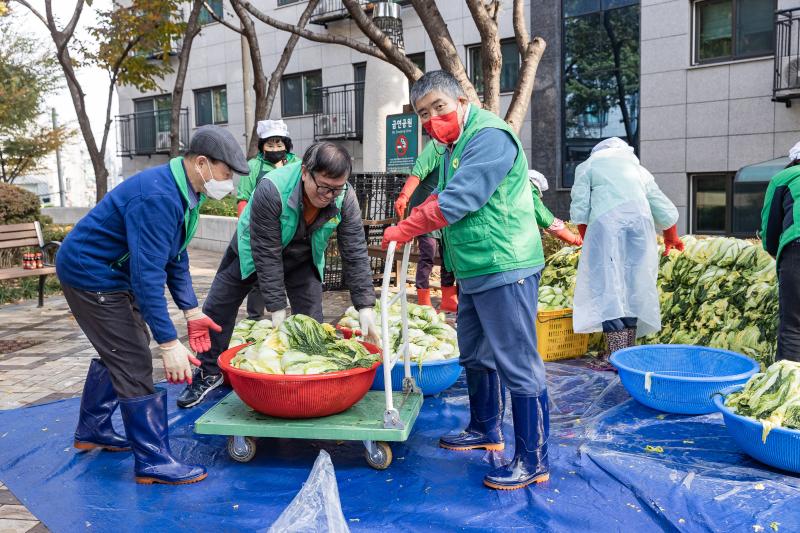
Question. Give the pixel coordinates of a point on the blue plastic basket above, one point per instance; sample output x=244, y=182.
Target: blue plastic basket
x=435, y=376
x=782, y=447
x=682, y=378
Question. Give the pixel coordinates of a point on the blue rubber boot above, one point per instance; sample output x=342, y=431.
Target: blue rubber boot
x=146, y=425
x=486, y=403
x=531, y=430
x=98, y=403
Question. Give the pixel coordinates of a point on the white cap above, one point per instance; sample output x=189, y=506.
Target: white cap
x=794, y=153
x=538, y=179
x=614, y=143
x=272, y=128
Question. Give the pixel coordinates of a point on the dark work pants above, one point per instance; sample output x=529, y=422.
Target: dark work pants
x=255, y=304
x=115, y=327
x=789, y=303
x=427, y=255
x=228, y=291
x=618, y=324
x=497, y=331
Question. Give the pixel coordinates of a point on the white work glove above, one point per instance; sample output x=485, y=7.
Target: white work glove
x=369, y=326
x=278, y=317
x=177, y=361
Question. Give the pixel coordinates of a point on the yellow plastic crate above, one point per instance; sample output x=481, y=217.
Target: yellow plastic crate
x=555, y=338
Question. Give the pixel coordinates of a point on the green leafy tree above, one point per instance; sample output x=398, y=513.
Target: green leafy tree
x=131, y=43
x=28, y=75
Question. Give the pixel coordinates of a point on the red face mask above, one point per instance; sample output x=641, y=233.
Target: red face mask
x=444, y=128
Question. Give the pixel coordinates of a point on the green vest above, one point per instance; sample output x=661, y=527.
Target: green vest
x=287, y=181
x=191, y=218
x=789, y=177
x=499, y=237
x=259, y=167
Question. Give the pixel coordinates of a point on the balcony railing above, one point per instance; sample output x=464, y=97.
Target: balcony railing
x=786, y=86
x=342, y=112
x=147, y=132
x=173, y=50
x=331, y=10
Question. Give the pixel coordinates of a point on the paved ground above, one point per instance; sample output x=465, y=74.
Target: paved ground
x=60, y=356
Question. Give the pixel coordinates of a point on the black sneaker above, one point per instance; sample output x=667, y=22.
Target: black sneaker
x=202, y=384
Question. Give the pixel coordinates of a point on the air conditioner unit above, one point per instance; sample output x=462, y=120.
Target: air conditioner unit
x=162, y=140
x=332, y=124
x=790, y=72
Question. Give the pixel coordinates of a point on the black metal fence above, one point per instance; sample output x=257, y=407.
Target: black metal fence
x=330, y=10
x=341, y=112
x=786, y=84
x=147, y=132
x=376, y=193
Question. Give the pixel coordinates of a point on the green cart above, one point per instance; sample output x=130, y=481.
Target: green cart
x=376, y=420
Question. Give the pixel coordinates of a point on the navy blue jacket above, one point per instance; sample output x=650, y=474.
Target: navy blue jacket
x=143, y=216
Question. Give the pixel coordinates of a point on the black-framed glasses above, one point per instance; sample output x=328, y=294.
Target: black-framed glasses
x=324, y=190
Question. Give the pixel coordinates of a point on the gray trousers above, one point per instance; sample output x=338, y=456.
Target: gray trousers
x=115, y=327
x=228, y=291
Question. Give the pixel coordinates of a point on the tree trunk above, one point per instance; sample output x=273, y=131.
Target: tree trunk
x=491, y=56
x=616, y=47
x=515, y=115
x=265, y=93
x=192, y=29
x=443, y=45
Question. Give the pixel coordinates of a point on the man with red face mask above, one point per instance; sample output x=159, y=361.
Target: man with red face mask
x=484, y=207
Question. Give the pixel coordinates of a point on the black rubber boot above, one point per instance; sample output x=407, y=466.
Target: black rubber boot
x=486, y=404
x=98, y=403
x=531, y=431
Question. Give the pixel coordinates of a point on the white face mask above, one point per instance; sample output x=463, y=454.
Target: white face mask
x=216, y=189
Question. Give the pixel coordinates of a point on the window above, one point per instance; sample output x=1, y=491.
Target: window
x=205, y=16
x=151, y=123
x=286, y=2
x=298, y=96
x=509, y=71
x=711, y=198
x=211, y=106
x=600, y=96
x=724, y=206
x=733, y=29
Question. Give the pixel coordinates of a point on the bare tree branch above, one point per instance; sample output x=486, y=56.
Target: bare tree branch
x=265, y=98
x=221, y=20
x=442, y=43
x=311, y=36
x=36, y=13
x=73, y=23
x=527, y=76
x=491, y=54
x=520, y=28
x=394, y=55
x=192, y=29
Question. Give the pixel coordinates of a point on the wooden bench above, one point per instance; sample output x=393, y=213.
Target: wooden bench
x=27, y=235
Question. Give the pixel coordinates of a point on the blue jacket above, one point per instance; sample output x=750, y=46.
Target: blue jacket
x=143, y=216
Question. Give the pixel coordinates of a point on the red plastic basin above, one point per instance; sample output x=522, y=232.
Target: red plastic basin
x=302, y=396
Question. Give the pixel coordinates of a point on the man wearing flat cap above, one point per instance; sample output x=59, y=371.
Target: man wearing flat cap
x=113, y=267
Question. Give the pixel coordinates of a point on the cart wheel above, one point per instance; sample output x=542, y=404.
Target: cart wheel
x=241, y=449
x=381, y=458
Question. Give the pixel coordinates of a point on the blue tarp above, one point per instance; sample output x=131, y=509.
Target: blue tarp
x=602, y=477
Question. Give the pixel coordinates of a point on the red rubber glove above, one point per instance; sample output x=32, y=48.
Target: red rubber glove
x=405, y=195
x=425, y=218
x=567, y=236
x=582, y=231
x=240, y=207
x=671, y=240
x=199, y=325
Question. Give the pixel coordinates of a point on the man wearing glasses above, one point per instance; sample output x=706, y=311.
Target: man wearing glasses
x=280, y=246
